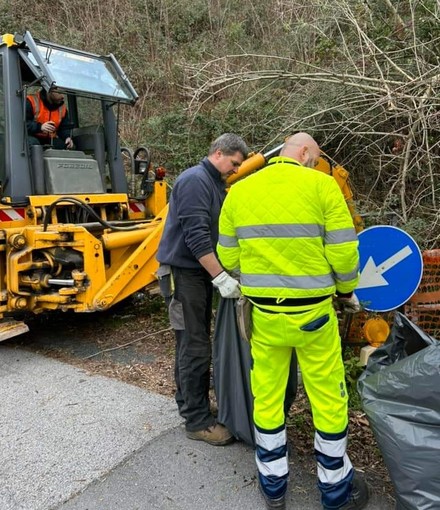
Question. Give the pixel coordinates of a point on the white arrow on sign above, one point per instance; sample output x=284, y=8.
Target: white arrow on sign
x=371, y=274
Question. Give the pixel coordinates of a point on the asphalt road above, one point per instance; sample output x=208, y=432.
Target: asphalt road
x=74, y=441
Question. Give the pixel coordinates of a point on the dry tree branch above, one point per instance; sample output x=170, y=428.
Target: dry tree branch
x=372, y=94
x=371, y=44
x=129, y=343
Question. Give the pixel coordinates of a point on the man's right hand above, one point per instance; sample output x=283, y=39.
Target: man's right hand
x=227, y=286
x=349, y=303
x=48, y=127
x=69, y=143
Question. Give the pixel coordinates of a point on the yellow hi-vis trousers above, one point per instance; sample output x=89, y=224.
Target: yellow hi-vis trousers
x=313, y=331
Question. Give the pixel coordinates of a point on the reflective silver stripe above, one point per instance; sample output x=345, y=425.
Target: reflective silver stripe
x=278, y=467
x=343, y=235
x=281, y=230
x=290, y=282
x=334, y=475
x=227, y=241
x=270, y=441
x=329, y=447
x=347, y=277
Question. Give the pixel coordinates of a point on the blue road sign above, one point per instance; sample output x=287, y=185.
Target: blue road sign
x=391, y=268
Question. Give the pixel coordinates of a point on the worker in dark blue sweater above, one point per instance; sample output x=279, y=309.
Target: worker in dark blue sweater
x=187, y=247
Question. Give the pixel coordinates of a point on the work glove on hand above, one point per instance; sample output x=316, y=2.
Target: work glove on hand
x=227, y=286
x=349, y=303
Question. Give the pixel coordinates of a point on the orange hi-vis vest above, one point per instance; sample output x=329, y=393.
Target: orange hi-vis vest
x=42, y=114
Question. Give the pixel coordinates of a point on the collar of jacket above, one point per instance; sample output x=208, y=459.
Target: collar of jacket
x=283, y=159
x=212, y=170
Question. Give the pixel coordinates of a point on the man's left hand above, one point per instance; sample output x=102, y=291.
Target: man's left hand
x=69, y=143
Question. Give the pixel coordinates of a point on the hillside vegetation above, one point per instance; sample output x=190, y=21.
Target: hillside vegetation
x=362, y=76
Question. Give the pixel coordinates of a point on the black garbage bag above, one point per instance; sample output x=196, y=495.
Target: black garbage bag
x=232, y=364
x=400, y=393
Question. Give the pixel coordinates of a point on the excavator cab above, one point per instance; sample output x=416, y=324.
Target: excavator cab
x=74, y=233
x=93, y=86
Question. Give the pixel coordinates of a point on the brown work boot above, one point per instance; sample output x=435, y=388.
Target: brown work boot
x=217, y=435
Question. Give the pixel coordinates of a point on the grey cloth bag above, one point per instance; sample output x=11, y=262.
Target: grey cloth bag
x=232, y=362
x=400, y=393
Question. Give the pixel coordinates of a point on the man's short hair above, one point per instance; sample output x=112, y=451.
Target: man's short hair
x=229, y=144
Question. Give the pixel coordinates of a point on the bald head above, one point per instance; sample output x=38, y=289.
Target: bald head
x=303, y=148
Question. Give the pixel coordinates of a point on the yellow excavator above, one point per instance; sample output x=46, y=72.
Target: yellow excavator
x=78, y=231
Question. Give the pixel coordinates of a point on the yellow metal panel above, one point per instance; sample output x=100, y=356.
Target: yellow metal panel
x=106, y=198
x=156, y=202
x=8, y=39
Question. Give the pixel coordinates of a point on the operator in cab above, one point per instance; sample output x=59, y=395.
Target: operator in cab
x=47, y=120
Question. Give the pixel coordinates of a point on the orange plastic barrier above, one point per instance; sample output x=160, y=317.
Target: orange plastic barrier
x=424, y=307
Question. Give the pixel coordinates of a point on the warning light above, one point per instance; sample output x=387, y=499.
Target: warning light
x=160, y=173
x=376, y=331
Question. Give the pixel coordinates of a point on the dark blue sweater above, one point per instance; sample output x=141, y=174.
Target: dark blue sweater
x=191, y=228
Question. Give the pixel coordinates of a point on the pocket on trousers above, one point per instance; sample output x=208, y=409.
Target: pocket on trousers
x=316, y=324
x=165, y=280
x=175, y=312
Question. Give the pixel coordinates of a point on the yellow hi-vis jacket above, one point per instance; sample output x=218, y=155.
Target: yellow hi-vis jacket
x=289, y=232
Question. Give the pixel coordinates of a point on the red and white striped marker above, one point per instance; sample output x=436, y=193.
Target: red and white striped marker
x=137, y=207
x=12, y=214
